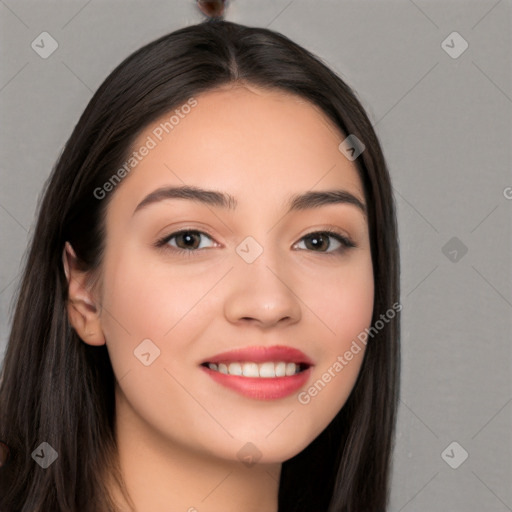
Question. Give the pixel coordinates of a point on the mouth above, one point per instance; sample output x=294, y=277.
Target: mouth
x=263, y=373
x=251, y=369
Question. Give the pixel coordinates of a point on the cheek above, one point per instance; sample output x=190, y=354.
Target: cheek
x=345, y=305
x=343, y=300
x=147, y=300
x=161, y=302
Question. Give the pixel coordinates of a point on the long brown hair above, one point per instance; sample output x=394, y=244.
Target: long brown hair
x=59, y=390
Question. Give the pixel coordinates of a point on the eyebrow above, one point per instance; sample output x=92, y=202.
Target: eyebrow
x=307, y=200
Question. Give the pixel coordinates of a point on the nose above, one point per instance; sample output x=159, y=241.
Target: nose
x=262, y=293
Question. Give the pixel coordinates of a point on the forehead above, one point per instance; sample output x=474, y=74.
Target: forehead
x=256, y=144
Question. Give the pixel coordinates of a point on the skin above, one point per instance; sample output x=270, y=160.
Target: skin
x=178, y=431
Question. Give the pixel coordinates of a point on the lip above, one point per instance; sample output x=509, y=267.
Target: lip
x=258, y=354
x=258, y=387
x=261, y=388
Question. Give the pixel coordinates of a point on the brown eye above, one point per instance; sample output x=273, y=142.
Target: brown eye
x=188, y=240
x=317, y=241
x=320, y=241
x=185, y=240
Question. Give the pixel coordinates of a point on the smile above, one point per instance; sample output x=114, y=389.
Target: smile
x=266, y=370
x=262, y=373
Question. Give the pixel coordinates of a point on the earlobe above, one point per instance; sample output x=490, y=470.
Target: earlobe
x=82, y=311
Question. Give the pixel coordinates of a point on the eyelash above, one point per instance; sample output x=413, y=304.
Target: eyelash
x=345, y=242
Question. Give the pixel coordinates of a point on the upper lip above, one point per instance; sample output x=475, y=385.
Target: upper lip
x=261, y=354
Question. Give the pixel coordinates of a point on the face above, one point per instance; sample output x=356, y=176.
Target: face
x=193, y=288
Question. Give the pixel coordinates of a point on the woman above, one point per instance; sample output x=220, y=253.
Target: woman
x=208, y=315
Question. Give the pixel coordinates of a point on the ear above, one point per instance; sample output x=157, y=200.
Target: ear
x=83, y=312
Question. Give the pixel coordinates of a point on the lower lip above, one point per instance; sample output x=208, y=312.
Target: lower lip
x=261, y=388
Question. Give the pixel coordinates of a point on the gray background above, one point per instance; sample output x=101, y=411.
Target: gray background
x=445, y=126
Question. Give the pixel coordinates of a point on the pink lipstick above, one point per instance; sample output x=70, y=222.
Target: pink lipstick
x=263, y=373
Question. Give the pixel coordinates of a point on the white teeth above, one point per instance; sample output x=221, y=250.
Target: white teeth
x=235, y=369
x=291, y=369
x=281, y=369
x=265, y=370
x=250, y=370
